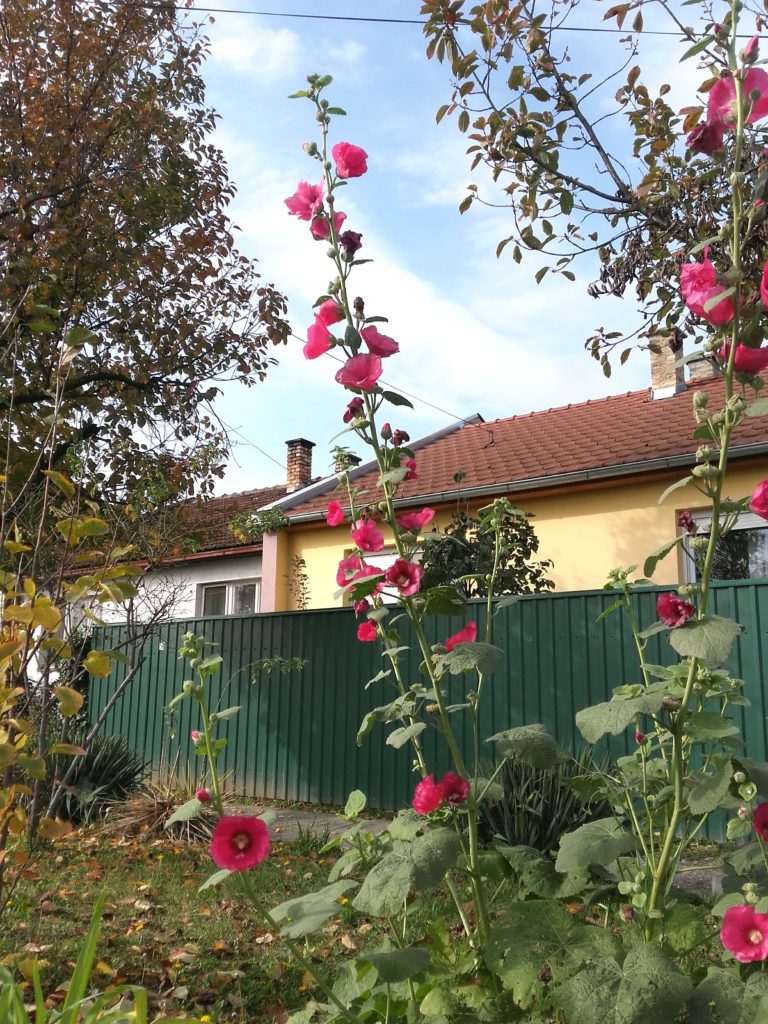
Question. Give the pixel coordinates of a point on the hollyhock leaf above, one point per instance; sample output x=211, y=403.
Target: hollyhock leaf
x=758, y=408
x=401, y=736
x=222, y=716
x=411, y=867
x=597, y=842
x=336, y=111
x=484, y=790
x=393, y=476
x=191, y=809
x=352, y=337
x=298, y=95
x=533, y=744
x=215, y=879
x=709, y=789
x=710, y=725
x=685, y=929
x=710, y=639
x=697, y=47
x=395, y=399
x=444, y=601
x=719, y=997
x=305, y=914
x=539, y=876
x=731, y=899
x=674, y=487
x=614, y=716
x=393, y=965
x=468, y=657
x=356, y=802
x=649, y=566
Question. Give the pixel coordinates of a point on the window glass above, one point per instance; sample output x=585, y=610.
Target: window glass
x=741, y=555
x=215, y=600
x=244, y=602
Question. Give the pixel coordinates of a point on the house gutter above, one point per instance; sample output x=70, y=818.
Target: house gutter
x=558, y=480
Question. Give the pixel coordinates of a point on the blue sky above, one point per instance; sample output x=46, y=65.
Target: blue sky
x=476, y=333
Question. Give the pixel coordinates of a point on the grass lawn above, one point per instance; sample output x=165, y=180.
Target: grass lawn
x=202, y=953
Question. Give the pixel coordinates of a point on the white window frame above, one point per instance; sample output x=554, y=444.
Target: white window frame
x=702, y=518
x=229, y=598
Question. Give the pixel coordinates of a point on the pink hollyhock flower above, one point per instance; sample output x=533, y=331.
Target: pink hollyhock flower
x=747, y=360
x=427, y=796
x=468, y=635
x=764, y=286
x=195, y=735
x=361, y=607
x=305, y=201
x=366, y=632
x=239, y=842
x=354, y=410
x=319, y=341
x=760, y=822
x=406, y=576
x=759, y=500
x=350, y=160
x=698, y=283
x=378, y=344
x=321, y=229
x=350, y=242
x=411, y=474
x=744, y=933
x=329, y=313
x=367, y=536
x=722, y=97
x=364, y=573
x=454, y=788
x=361, y=371
x=707, y=137
x=673, y=610
x=347, y=569
x=415, y=521
x=686, y=522
x=203, y=796
x=334, y=514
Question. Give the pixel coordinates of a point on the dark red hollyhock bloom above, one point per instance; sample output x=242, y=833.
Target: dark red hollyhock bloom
x=351, y=241
x=707, y=137
x=760, y=821
x=673, y=610
x=454, y=788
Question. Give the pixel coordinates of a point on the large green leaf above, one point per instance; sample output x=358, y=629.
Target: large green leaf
x=533, y=744
x=649, y=566
x=187, y=811
x=614, y=715
x=710, y=639
x=538, y=875
x=398, y=964
x=709, y=789
x=685, y=928
x=648, y=989
x=305, y=914
x=597, y=842
x=411, y=867
x=710, y=725
x=718, y=998
x=468, y=657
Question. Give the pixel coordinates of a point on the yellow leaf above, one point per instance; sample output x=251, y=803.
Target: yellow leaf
x=10, y=647
x=54, y=829
x=97, y=663
x=64, y=484
x=8, y=754
x=17, y=613
x=15, y=548
x=70, y=701
x=70, y=749
x=46, y=614
x=29, y=587
x=33, y=766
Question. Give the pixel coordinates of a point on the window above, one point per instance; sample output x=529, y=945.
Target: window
x=241, y=597
x=741, y=555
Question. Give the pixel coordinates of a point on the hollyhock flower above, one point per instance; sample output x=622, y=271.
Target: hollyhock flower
x=350, y=160
x=722, y=97
x=411, y=474
x=364, y=572
x=195, y=735
x=361, y=607
x=468, y=635
x=367, y=536
x=378, y=344
x=319, y=340
x=707, y=137
x=759, y=500
x=321, y=229
x=361, y=371
x=305, y=201
x=764, y=286
x=427, y=796
x=400, y=437
x=685, y=521
x=747, y=360
x=350, y=242
x=744, y=933
x=354, y=410
x=698, y=283
x=203, y=796
x=673, y=610
x=760, y=822
x=406, y=576
x=239, y=842
x=347, y=568
x=366, y=632
x=329, y=313
x=334, y=514
x=454, y=788
x=415, y=521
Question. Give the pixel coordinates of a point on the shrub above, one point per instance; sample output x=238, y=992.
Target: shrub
x=111, y=771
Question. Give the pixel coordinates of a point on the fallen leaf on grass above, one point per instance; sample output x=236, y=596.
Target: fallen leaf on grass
x=348, y=942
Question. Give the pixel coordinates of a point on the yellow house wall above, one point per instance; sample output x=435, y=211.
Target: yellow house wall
x=586, y=533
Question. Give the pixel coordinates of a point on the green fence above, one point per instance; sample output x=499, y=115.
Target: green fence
x=294, y=738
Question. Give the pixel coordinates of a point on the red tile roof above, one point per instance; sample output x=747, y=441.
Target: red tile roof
x=602, y=436
x=206, y=523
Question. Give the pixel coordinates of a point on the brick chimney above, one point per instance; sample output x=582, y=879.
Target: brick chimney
x=299, y=463
x=666, y=378
x=701, y=369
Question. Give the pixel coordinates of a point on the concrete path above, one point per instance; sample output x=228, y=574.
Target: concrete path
x=291, y=822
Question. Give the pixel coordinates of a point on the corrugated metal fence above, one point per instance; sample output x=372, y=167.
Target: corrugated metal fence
x=294, y=738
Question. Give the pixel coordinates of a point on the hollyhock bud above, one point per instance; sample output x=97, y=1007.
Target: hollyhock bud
x=379, y=344
x=361, y=372
x=759, y=500
x=400, y=437
x=427, y=796
x=319, y=341
x=411, y=466
x=415, y=521
x=329, y=313
x=673, y=611
x=350, y=160
x=358, y=307
x=386, y=432
x=334, y=514
x=722, y=97
x=639, y=738
x=350, y=242
x=698, y=283
x=454, y=789
x=362, y=607
x=747, y=360
x=751, y=51
x=685, y=521
x=742, y=812
x=321, y=229
x=196, y=736
x=707, y=137
x=203, y=796
x=744, y=933
x=354, y=410
x=305, y=201
x=367, y=536
x=366, y=632
x=404, y=575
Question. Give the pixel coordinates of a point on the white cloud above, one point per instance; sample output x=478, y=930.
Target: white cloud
x=262, y=54
x=350, y=52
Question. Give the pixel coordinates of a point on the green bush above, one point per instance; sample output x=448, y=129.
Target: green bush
x=539, y=805
x=111, y=771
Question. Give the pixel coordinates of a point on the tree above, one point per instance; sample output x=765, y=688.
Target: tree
x=464, y=555
x=574, y=184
